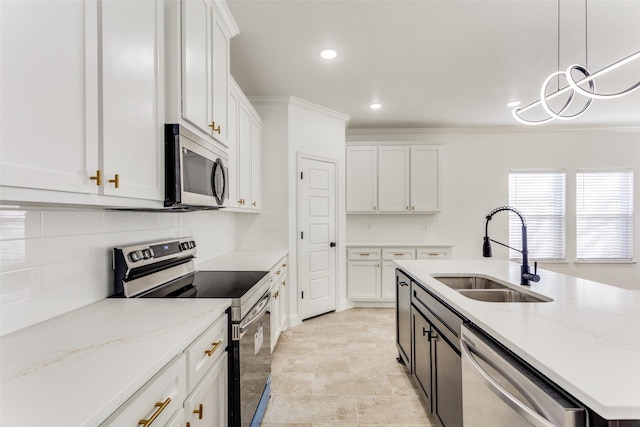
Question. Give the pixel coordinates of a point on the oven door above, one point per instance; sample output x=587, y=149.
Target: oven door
x=253, y=364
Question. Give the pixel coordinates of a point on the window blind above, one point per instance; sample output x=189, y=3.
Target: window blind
x=604, y=209
x=540, y=196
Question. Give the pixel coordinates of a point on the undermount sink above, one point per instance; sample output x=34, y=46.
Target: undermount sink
x=500, y=295
x=469, y=282
x=485, y=289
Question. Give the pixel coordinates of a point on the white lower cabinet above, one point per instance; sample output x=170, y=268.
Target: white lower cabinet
x=278, y=300
x=371, y=270
x=157, y=401
x=190, y=391
x=207, y=405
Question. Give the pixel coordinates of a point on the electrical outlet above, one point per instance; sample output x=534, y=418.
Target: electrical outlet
x=368, y=226
x=425, y=227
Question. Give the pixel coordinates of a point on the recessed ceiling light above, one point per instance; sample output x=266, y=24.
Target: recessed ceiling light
x=375, y=106
x=513, y=104
x=328, y=53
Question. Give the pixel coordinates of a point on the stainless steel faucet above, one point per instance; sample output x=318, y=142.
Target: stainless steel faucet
x=525, y=275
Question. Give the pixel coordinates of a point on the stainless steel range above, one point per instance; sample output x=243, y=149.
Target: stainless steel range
x=165, y=269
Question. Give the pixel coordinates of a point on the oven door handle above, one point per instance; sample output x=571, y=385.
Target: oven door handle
x=515, y=404
x=255, y=314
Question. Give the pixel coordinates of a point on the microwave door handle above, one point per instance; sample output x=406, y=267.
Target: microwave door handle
x=515, y=404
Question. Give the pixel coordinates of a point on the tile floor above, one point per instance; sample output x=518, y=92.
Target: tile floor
x=340, y=370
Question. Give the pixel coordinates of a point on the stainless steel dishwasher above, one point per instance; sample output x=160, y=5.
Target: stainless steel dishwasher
x=499, y=390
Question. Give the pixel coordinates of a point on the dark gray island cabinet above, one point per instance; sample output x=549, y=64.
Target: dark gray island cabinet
x=428, y=341
x=454, y=347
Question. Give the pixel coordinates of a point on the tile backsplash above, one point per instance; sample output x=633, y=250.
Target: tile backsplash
x=56, y=260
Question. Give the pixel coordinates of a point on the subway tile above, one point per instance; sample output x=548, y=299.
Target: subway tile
x=20, y=224
x=71, y=223
x=28, y=311
x=20, y=254
x=76, y=272
x=19, y=284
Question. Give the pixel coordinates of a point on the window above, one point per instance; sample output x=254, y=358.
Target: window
x=604, y=209
x=540, y=197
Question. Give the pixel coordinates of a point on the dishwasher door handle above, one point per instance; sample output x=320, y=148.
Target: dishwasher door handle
x=515, y=404
x=256, y=313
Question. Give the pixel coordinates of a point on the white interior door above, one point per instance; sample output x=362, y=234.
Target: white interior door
x=316, y=236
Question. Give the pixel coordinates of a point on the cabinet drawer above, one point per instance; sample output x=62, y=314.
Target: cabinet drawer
x=398, y=253
x=157, y=401
x=280, y=269
x=444, y=318
x=364, y=253
x=206, y=350
x=433, y=253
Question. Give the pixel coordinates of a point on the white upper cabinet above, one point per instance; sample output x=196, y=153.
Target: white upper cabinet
x=132, y=111
x=49, y=95
x=425, y=179
x=80, y=105
x=198, y=66
x=362, y=179
x=393, y=179
x=245, y=128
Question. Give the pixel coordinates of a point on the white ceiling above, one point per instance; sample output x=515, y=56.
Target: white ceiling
x=434, y=63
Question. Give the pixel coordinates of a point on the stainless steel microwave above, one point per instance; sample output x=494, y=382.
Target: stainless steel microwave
x=196, y=175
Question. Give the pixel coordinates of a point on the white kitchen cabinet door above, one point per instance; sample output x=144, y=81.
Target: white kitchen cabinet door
x=245, y=171
x=220, y=79
x=274, y=311
x=256, y=177
x=49, y=95
x=205, y=69
x=388, y=285
x=207, y=405
x=196, y=63
x=362, y=179
x=425, y=179
x=393, y=179
x=232, y=139
x=132, y=110
x=363, y=280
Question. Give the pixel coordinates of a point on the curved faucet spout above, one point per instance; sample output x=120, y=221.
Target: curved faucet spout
x=525, y=275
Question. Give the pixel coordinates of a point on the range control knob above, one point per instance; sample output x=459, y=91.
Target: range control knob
x=135, y=256
x=192, y=244
x=184, y=246
x=146, y=254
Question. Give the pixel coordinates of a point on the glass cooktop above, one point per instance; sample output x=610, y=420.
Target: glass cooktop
x=226, y=284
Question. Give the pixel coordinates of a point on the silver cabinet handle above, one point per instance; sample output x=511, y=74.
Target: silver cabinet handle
x=515, y=404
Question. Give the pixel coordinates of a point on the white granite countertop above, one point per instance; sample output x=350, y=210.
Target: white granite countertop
x=587, y=340
x=78, y=368
x=243, y=261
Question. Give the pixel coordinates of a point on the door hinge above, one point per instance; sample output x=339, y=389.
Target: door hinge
x=302, y=234
x=302, y=292
x=301, y=175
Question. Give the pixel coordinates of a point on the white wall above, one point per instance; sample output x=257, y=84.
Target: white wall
x=54, y=261
x=475, y=166
x=292, y=126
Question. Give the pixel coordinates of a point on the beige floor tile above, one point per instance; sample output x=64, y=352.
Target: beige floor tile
x=351, y=384
x=311, y=409
x=328, y=375
x=391, y=409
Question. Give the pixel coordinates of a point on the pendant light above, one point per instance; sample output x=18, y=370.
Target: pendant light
x=585, y=78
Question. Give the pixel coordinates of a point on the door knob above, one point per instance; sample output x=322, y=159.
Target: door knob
x=332, y=244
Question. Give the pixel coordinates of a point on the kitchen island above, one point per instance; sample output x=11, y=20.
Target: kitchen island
x=586, y=340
